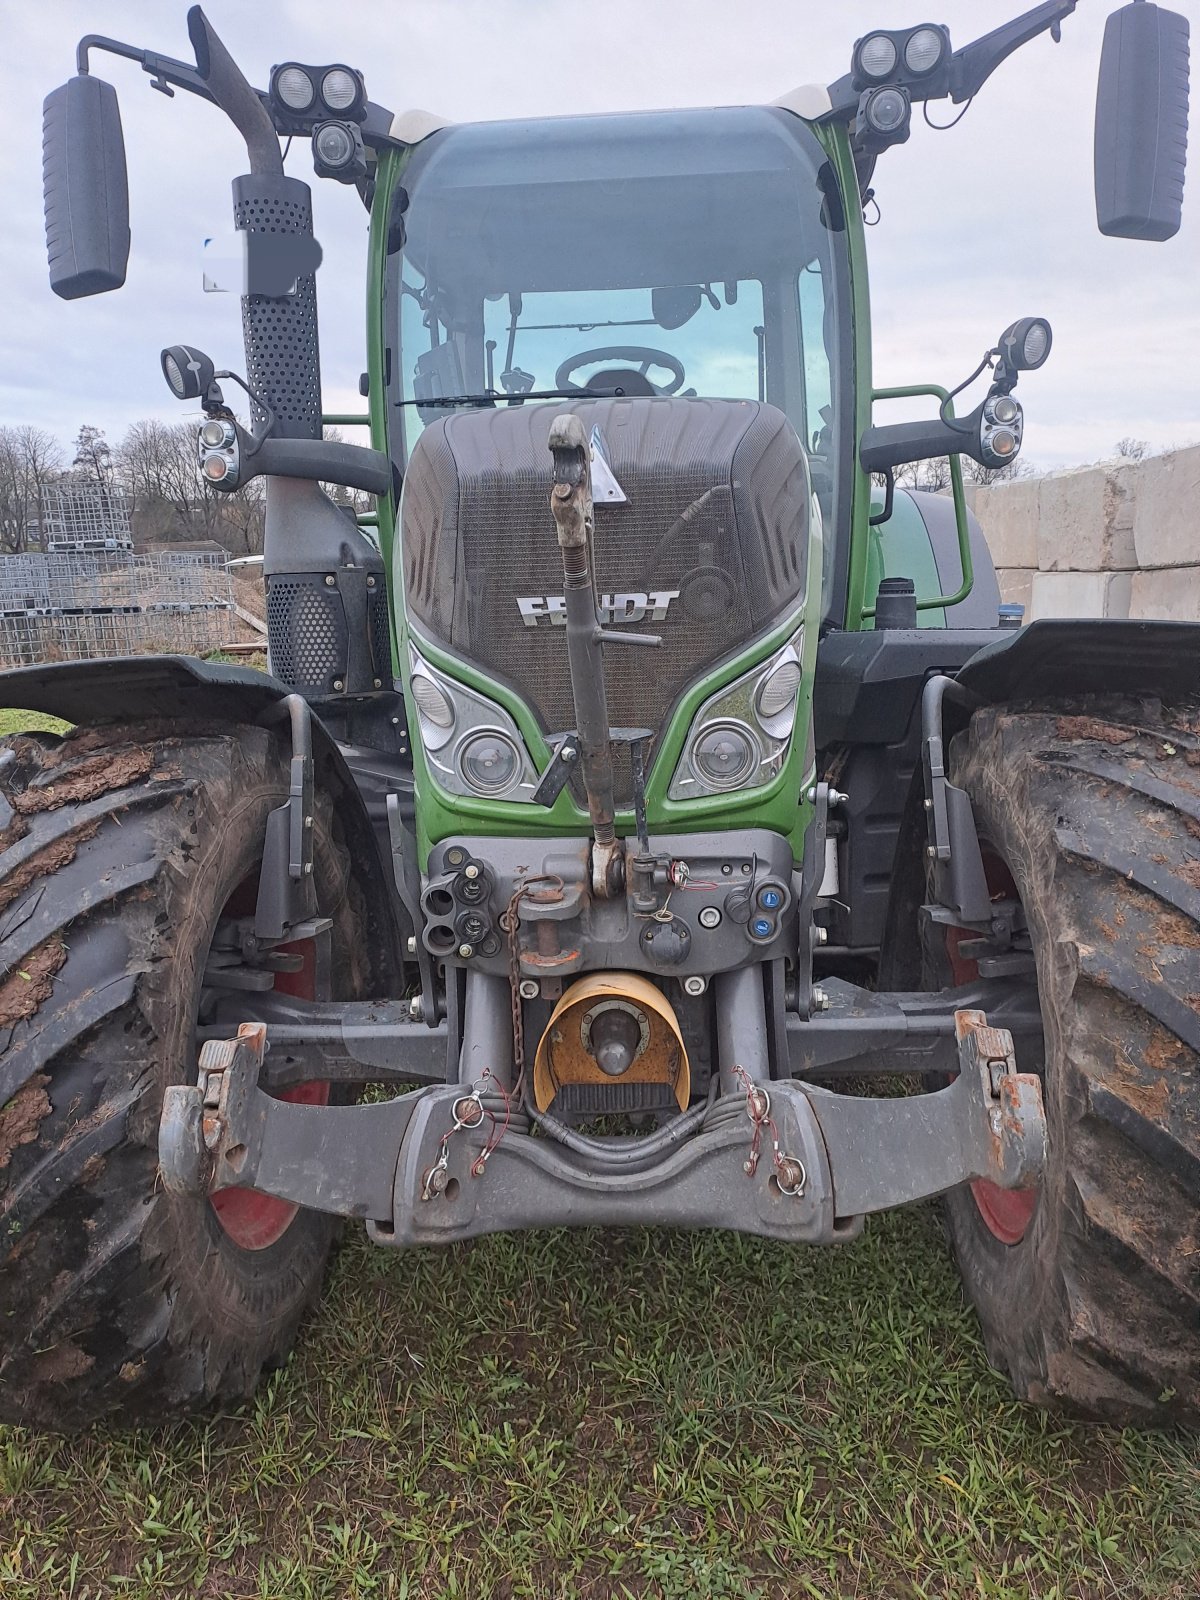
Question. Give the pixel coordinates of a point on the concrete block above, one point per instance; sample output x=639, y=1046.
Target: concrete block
x=1085, y=521
x=1171, y=594
x=1016, y=587
x=1008, y=515
x=1080, y=594
x=1166, y=523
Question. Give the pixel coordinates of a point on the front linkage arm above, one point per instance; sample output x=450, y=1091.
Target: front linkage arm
x=846, y=1156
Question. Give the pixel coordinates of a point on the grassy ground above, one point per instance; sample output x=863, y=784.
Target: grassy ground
x=649, y=1415
x=29, y=722
x=622, y=1415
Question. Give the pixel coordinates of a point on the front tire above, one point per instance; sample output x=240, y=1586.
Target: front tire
x=1093, y=1300
x=119, y=849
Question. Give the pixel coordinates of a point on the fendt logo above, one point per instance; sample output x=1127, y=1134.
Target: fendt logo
x=552, y=608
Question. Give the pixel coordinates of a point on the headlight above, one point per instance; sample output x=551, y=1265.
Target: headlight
x=218, y=453
x=924, y=50
x=472, y=745
x=779, y=690
x=740, y=737
x=725, y=755
x=877, y=56
x=294, y=87
x=490, y=762
x=339, y=89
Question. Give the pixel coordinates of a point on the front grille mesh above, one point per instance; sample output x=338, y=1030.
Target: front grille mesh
x=716, y=518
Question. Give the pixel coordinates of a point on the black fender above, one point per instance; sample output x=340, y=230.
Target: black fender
x=1086, y=655
x=1045, y=661
x=184, y=690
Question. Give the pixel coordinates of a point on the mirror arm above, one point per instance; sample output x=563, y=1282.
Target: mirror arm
x=216, y=77
x=973, y=65
x=163, y=69
x=320, y=461
x=902, y=443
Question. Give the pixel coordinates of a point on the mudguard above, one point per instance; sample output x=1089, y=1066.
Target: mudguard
x=185, y=689
x=1086, y=655
x=1053, y=658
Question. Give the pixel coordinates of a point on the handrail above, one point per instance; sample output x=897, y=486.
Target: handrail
x=966, y=560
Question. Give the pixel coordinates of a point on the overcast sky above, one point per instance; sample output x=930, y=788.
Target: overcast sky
x=980, y=225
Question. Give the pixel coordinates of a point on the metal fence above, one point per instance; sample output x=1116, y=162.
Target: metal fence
x=82, y=516
x=68, y=607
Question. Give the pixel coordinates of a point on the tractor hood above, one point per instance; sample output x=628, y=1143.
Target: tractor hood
x=701, y=537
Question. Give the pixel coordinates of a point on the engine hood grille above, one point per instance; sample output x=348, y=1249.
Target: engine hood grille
x=708, y=549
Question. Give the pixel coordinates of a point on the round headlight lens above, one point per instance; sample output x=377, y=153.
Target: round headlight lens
x=215, y=468
x=490, y=763
x=334, y=144
x=877, y=56
x=214, y=434
x=778, y=692
x=1037, y=344
x=295, y=88
x=724, y=756
x=887, y=110
x=1005, y=409
x=1003, y=444
x=339, y=89
x=432, y=702
x=174, y=376
x=923, y=50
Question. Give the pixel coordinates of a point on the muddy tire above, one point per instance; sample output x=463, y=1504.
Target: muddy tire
x=119, y=848
x=1095, y=812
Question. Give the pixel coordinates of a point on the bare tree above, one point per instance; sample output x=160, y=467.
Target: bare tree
x=933, y=475
x=93, y=456
x=1130, y=449
x=157, y=466
x=30, y=458
x=986, y=476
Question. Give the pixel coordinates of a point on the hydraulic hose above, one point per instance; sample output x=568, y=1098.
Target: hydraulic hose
x=626, y=1155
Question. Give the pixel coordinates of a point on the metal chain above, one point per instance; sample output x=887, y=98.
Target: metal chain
x=790, y=1172
x=510, y=922
x=469, y=1111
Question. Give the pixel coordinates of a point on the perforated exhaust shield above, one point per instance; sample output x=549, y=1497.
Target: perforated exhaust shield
x=282, y=352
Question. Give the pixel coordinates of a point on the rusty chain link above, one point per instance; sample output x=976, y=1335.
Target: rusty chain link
x=790, y=1172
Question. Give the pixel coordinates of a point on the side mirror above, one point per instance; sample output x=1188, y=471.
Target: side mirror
x=1142, y=123
x=85, y=188
x=672, y=307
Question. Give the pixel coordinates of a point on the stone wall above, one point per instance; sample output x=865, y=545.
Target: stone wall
x=1117, y=540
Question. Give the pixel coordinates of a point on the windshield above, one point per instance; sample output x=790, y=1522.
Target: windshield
x=684, y=253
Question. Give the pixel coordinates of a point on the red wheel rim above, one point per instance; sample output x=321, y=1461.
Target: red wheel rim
x=255, y=1221
x=1005, y=1213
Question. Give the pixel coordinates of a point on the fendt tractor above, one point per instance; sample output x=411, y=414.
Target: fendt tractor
x=643, y=780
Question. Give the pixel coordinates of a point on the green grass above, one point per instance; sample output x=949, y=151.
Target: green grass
x=625, y=1414
x=30, y=722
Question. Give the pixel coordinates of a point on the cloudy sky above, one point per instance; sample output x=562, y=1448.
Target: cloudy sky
x=980, y=225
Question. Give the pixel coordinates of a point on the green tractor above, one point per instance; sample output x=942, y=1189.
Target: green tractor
x=644, y=777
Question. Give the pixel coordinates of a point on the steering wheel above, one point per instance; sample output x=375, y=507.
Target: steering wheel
x=640, y=356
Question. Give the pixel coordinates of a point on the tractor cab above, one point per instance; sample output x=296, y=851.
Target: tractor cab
x=677, y=282
x=685, y=253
